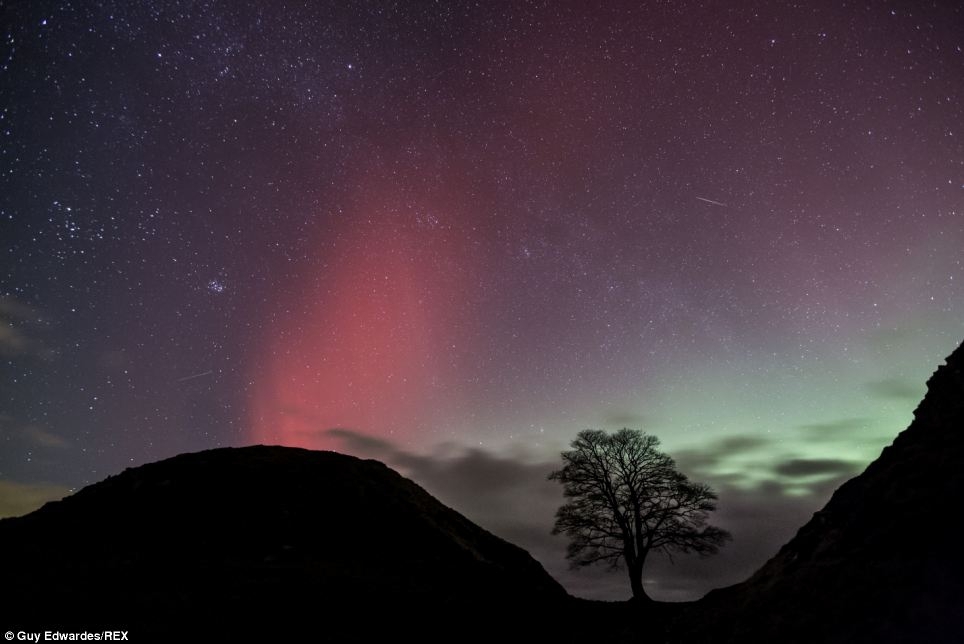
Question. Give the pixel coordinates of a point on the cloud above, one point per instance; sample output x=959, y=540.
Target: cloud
x=15, y=318
x=509, y=495
x=808, y=467
x=503, y=492
x=17, y=499
x=362, y=444
x=29, y=434
x=12, y=341
x=11, y=308
x=841, y=426
x=44, y=438
x=895, y=389
x=716, y=455
x=761, y=520
x=747, y=463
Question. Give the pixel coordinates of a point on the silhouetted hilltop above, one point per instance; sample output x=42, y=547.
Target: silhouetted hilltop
x=881, y=562
x=261, y=537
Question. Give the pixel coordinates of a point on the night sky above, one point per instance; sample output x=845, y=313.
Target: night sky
x=451, y=235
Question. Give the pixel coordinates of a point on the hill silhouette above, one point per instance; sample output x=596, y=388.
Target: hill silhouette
x=881, y=562
x=273, y=541
x=267, y=538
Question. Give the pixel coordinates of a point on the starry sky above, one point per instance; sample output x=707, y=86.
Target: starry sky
x=450, y=235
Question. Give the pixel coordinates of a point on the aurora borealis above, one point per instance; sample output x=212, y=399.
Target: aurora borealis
x=451, y=235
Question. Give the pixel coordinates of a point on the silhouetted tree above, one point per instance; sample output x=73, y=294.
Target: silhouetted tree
x=626, y=499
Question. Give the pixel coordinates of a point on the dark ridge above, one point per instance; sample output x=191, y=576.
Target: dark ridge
x=264, y=538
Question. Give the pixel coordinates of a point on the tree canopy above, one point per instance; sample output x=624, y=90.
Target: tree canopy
x=626, y=500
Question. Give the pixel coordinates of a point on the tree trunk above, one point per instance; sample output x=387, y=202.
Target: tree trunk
x=636, y=583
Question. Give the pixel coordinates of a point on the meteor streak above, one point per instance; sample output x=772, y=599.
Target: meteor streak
x=197, y=375
x=715, y=203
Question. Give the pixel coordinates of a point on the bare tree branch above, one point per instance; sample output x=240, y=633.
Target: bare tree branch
x=627, y=499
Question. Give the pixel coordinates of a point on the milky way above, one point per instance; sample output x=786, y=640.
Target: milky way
x=451, y=235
